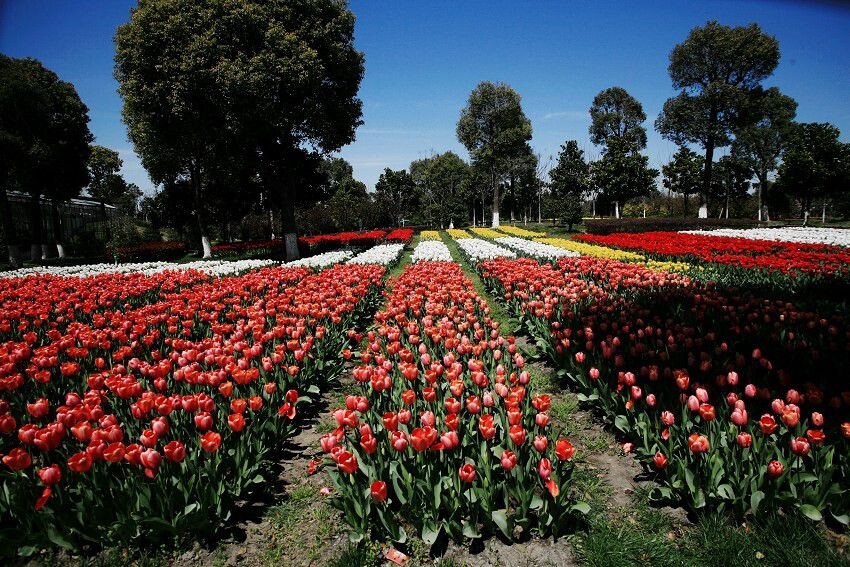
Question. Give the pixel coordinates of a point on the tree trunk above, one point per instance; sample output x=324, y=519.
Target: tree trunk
x=823, y=214
x=57, y=228
x=706, y=172
x=495, y=201
x=617, y=209
x=684, y=205
x=9, y=230
x=290, y=238
x=197, y=196
x=35, y=227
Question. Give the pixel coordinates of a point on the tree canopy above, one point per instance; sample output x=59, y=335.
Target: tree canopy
x=270, y=82
x=716, y=69
x=682, y=174
x=617, y=114
x=494, y=129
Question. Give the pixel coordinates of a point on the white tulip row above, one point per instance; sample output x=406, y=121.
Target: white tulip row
x=536, y=249
x=321, y=260
x=799, y=234
x=478, y=249
x=431, y=251
x=211, y=267
x=383, y=254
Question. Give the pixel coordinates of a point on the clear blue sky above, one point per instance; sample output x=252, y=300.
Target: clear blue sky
x=424, y=57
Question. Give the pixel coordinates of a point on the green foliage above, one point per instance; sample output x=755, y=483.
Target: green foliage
x=623, y=173
x=816, y=164
x=682, y=174
x=717, y=69
x=571, y=175
x=106, y=183
x=615, y=114
x=395, y=196
x=443, y=187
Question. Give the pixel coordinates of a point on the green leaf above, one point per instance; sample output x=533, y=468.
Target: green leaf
x=470, y=531
x=755, y=500
x=811, y=512
x=58, y=538
x=500, y=518
x=581, y=507
x=430, y=532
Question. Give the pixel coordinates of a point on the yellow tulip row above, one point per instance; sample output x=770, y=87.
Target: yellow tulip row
x=458, y=233
x=613, y=254
x=516, y=231
x=486, y=232
x=429, y=235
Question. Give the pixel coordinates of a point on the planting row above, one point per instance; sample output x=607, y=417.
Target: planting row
x=445, y=434
x=152, y=419
x=736, y=402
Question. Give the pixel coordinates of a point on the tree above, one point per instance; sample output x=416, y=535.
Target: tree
x=566, y=208
x=682, y=174
x=762, y=137
x=205, y=80
x=443, y=187
x=816, y=164
x=622, y=174
x=617, y=114
x=44, y=143
x=571, y=174
x=494, y=129
x=107, y=184
x=395, y=195
x=716, y=69
x=731, y=181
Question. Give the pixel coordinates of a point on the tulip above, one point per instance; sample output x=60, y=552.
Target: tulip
x=210, y=441
x=509, y=460
x=346, y=462
x=767, y=424
x=698, y=443
x=467, y=473
x=486, y=426
x=744, y=439
x=667, y=418
x=236, y=422
x=203, y=421
x=800, y=446
x=398, y=439
x=517, y=434
x=544, y=468
x=564, y=450
x=540, y=443
x=378, y=490
x=50, y=475
x=706, y=412
x=815, y=436
x=739, y=417
x=174, y=451
x=660, y=461
x=775, y=469
x=79, y=462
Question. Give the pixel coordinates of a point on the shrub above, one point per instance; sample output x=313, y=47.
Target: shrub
x=610, y=226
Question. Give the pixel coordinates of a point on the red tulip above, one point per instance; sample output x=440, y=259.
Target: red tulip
x=80, y=462
x=236, y=422
x=398, y=439
x=660, y=461
x=544, y=468
x=210, y=441
x=467, y=473
x=486, y=426
x=800, y=446
x=744, y=439
x=346, y=462
x=564, y=450
x=174, y=451
x=509, y=460
x=378, y=489
x=517, y=434
x=698, y=443
x=17, y=459
x=767, y=424
x=775, y=469
x=50, y=475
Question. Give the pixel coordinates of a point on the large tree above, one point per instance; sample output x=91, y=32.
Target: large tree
x=682, y=174
x=622, y=174
x=571, y=174
x=761, y=138
x=443, y=187
x=395, y=195
x=107, y=184
x=494, y=129
x=44, y=146
x=816, y=165
x=615, y=114
x=716, y=69
x=205, y=80
x=731, y=181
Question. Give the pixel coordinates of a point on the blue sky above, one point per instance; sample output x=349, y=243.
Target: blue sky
x=424, y=57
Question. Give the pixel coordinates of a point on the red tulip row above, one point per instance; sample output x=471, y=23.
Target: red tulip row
x=445, y=434
x=783, y=257
x=736, y=401
x=153, y=420
x=400, y=235
x=329, y=241
x=35, y=305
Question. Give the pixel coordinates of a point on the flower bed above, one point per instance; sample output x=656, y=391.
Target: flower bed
x=486, y=232
x=444, y=435
x=537, y=249
x=322, y=260
x=432, y=251
x=150, y=251
x=383, y=254
x=781, y=257
x=458, y=233
x=400, y=235
x=429, y=235
x=521, y=232
x=801, y=234
x=144, y=422
x=736, y=402
x=341, y=239
x=476, y=249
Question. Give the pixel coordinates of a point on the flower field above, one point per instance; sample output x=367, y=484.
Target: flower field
x=142, y=402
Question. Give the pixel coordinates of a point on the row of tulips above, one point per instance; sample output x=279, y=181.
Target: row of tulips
x=148, y=421
x=736, y=402
x=791, y=258
x=445, y=435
